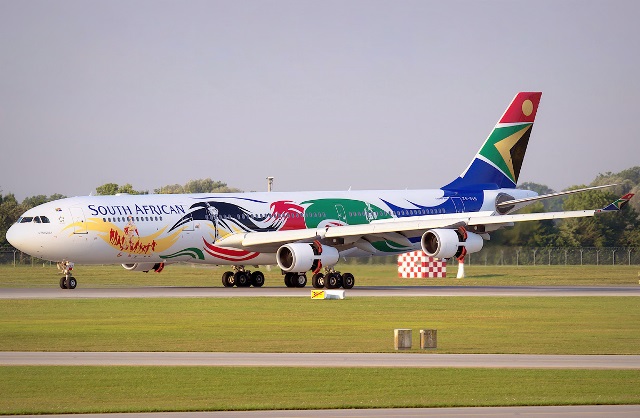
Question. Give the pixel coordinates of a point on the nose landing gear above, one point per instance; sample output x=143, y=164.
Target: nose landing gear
x=67, y=281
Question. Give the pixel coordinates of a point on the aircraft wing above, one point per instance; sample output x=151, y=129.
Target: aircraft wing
x=270, y=241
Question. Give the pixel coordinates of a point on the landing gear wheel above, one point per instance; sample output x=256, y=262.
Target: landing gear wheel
x=318, y=280
x=231, y=280
x=63, y=283
x=331, y=281
x=300, y=280
x=225, y=279
x=242, y=279
x=71, y=283
x=288, y=280
x=257, y=279
x=348, y=280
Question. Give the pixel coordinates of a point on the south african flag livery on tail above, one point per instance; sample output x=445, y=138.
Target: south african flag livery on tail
x=497, y=164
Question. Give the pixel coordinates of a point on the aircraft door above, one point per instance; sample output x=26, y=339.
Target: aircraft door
x=457, y=204
x=78, y=221
x=188, y=226
x=342, y=214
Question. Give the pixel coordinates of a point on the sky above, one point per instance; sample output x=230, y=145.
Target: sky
x=321, y=95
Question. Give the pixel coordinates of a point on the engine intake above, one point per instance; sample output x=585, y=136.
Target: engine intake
x=447, y=243
x=145, y=267
x=301, y=257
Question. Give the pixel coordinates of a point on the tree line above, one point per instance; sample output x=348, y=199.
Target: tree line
x=192, y=186
x=608, y=230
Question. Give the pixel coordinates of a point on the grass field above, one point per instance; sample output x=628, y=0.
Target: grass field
x=523, y=325
x=366, y=275
x=28, y=390
x=575, y=325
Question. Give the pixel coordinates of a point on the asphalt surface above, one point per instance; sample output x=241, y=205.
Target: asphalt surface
x=618, y=411
x=398, y=291
x=324, y=360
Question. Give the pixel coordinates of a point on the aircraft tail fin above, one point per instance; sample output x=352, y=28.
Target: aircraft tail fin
x=497, y=164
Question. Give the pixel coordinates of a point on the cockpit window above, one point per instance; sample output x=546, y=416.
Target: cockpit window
x=34, y=219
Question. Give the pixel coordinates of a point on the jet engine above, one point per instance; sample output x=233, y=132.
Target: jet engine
x=447, y=243
x=301, y=257
x=146, y=267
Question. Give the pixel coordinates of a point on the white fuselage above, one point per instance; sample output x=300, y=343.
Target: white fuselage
x=169, y=228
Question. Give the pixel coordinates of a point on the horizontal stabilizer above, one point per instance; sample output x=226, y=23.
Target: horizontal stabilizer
x=550, y=195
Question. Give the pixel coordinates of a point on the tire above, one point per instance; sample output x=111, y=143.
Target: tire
x=288, y=279
x=331, y=281
x=257, y=279
x=231, y=280
x=72, y=283
x=63, y=283
x=225, y=279
x=300, y=280
x=348, y=281
x=317, y=281
x=242, y=279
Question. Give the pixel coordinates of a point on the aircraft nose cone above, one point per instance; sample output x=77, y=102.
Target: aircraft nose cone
x=13, y=236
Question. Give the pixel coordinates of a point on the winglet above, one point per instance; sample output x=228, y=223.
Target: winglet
x=617, y=205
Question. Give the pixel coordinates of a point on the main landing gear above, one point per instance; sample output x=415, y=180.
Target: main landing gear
x=242, y=278
x=67, y=281
x=333, y=280
x=295, y=279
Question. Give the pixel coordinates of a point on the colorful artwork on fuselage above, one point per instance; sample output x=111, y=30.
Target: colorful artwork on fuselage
x=219, y=216
x=127, y=240
x=228, y=218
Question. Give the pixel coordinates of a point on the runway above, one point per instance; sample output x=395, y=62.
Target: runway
x=619, y=411
x=324, y=360
x=388, y=291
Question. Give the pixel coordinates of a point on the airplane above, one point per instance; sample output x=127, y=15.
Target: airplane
x=299, y=231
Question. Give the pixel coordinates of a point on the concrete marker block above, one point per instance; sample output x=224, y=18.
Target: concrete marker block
x=428, y=339
x=402, y=339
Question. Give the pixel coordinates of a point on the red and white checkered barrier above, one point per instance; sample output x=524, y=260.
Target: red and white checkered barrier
x=417, y=265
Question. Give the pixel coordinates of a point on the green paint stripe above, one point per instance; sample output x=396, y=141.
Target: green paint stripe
x=192, y=252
